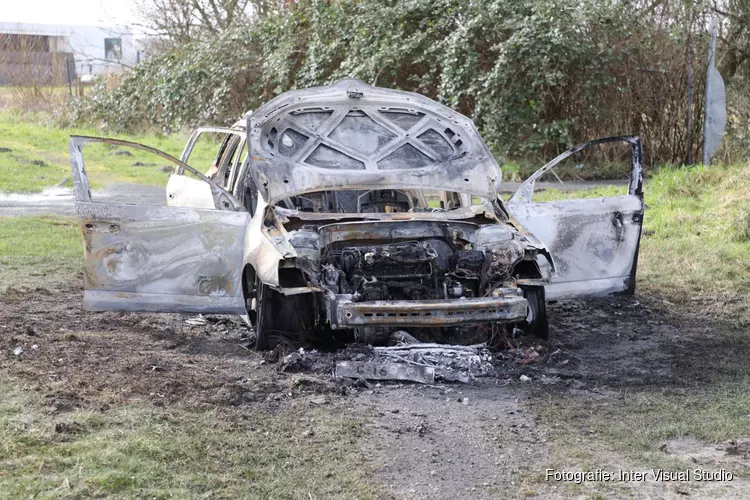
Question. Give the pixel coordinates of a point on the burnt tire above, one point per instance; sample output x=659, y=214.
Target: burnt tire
x=282, y=318
x=538, y=326
x=263, y=316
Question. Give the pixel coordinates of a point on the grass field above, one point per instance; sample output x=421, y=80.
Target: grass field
x=35, y=156
x=144, y=451
x=39, y=251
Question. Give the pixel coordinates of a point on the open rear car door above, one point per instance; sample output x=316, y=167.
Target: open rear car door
x=159, y=258
x=593, y=242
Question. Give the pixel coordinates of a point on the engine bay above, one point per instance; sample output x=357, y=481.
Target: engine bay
x=424, y=269
x=409, y=270
x=373, y=270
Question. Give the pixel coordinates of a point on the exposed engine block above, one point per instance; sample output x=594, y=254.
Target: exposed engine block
x=410, y=270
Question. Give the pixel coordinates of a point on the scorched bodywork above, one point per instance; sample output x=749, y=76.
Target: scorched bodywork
x=350, y=211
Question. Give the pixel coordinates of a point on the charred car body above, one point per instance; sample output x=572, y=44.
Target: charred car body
x=356, y=211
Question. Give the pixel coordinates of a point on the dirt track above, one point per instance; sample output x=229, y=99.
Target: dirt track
x=443, y=441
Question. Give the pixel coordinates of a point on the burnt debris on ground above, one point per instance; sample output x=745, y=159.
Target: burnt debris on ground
x=106, y=357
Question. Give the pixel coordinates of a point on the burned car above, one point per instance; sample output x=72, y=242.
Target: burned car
x=348, y=212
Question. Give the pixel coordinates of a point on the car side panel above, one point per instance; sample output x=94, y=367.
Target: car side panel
x=593, y=242
x=167, y=259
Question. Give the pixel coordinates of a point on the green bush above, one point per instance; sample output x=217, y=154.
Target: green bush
x=535, y=75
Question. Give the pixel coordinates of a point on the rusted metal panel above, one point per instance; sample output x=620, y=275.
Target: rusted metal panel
x=432, y=312
x=133, y=254
x=354, y=136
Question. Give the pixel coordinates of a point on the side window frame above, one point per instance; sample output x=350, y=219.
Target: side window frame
x=234, y=139
x=222, y=197
x=525, y=192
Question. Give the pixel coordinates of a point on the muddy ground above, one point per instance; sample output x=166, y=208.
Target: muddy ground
x=440, y=441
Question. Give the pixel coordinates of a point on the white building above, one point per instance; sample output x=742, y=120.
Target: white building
x=94, y=50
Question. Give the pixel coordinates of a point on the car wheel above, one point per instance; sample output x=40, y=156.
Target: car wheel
x=538, y=326
x=262, y=317
x=281, y=318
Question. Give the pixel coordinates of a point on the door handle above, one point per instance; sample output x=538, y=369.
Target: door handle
x=102, y=227
x=617, y=221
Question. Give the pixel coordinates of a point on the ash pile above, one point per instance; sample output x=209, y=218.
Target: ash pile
x=411, y=360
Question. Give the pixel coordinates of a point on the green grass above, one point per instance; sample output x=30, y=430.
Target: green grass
x=39, y=156
x=144, y=451
x=696, y=238
x=568, y=170
x=695, y=245
x=552, y=194
x=37, y=251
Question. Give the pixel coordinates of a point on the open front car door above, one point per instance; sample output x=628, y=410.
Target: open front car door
x=593, y=242
x=150, y=257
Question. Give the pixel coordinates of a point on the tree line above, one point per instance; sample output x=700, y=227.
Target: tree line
x=537, y=76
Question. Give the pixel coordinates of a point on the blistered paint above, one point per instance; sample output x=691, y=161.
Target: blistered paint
x=594, y=242
x=260, y=252
x=167, y=251
x=158, y=258
x=356, y=158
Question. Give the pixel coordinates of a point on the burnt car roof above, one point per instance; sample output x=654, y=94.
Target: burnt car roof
x=352, y=135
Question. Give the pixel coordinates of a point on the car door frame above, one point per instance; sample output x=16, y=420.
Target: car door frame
x=195, y=135
x=159, y=258
x=625, y=213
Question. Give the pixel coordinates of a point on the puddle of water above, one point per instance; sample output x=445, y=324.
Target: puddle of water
x=53, y=195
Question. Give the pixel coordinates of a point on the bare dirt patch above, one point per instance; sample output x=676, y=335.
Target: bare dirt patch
x=643, y=342
x=492, y=438
x=107, y=358
x=451, y=441
x=733, y=452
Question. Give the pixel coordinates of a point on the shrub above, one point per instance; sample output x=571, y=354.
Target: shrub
x=535, y=75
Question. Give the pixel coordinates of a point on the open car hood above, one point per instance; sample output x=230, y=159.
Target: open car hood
x=351, y=135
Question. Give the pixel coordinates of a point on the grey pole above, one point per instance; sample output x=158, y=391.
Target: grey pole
x=706, y=107
x=715, y=105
